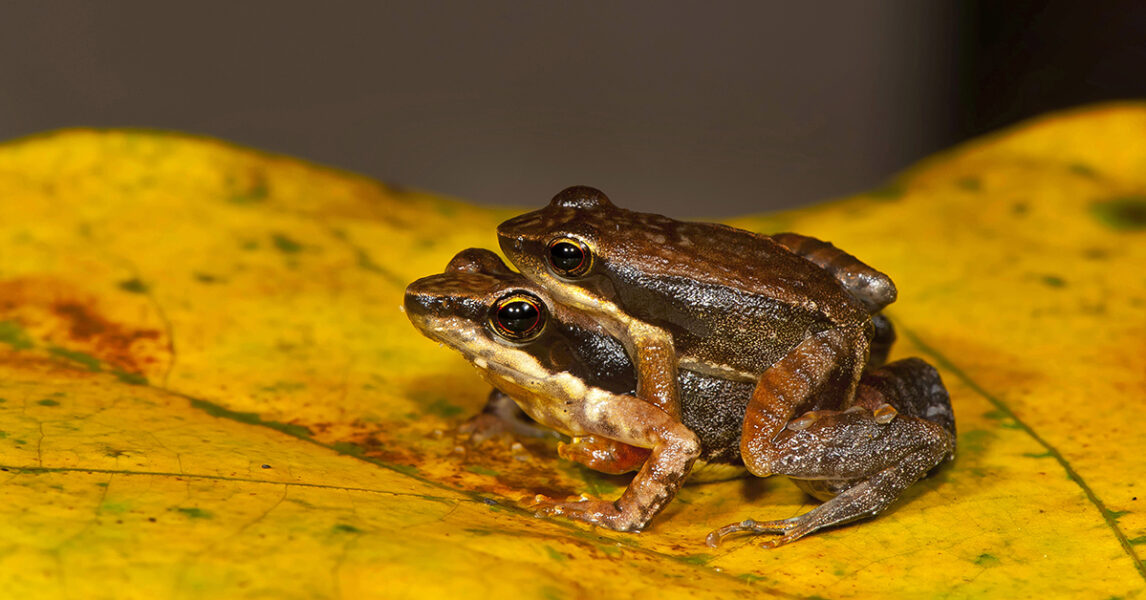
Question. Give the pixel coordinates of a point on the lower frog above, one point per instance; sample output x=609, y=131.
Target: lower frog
x=566, y=371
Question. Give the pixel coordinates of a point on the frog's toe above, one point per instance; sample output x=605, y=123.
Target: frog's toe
x=785, y=526
x=596, y=512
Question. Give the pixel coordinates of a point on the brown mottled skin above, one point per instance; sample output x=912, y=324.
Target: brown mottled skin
x=790, y=315
x=455, y=308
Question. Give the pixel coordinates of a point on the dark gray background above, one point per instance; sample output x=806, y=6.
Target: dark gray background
x=686, y=108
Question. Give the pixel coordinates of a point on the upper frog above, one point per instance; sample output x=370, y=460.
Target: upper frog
x=791, y=314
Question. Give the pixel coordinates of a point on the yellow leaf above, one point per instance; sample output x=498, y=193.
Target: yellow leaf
x=207, y=389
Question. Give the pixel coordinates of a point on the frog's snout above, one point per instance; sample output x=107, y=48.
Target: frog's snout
x=415, y=304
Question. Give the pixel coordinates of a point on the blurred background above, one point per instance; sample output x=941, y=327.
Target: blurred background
x=678, y=107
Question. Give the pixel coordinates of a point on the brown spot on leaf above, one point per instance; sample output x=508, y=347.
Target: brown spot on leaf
x=55, y=314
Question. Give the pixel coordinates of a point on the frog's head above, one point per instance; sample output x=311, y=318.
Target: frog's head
x=565, y=245
x=586, y=251
x=476, y=302
x=512, y=331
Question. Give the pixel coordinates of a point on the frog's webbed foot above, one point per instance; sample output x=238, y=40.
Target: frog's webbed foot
x=502, y=416
x=597, y=512
x=865, y=499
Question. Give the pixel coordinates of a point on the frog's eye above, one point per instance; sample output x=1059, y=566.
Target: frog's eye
x=518, y=317
x=569, y=257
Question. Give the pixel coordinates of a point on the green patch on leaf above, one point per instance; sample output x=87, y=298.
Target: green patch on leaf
x=130, y=378
x=117, y=508
x=1116, y=514
x=555, y=555
x=1139, y=541
x=444, y=409
x=285, y=244
x=1083, y=170
x=987, y=560
x=344, y=528
x=92, y=363
x=194, y=513
x=348, y=448
x=404, y=469
x=205, y=278
x=48, y=402
x=134, y=286
x=696, y=559
x=975, y=440
x=285, y=386
x=252, y=195
x=249, y=418
x=549, y=592
x=970, y=184
x=1054, y=281
x=610, y=550
x=12, y=334
x=480, y=470
x=1038, y=454
x=1127, y=213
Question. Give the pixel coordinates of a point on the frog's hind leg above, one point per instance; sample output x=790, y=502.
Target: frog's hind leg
x=865, y=456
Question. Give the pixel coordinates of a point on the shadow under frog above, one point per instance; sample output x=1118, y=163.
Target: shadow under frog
x=568, y=372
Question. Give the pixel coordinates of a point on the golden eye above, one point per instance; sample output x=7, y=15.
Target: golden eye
x=518, y=317
x=569, y=257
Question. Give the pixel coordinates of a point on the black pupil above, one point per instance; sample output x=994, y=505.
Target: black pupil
x=518, y=316
x=566, y=256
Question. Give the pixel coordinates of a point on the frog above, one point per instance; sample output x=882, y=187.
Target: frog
x=568, y=372
x=792, y=316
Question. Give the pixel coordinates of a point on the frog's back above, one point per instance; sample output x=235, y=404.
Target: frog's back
x=729, y=297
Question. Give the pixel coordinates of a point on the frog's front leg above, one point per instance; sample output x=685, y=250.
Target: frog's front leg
x=632, y=421
x=864, y=458
x=655, y=360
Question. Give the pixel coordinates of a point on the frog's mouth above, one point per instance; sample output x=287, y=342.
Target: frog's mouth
x=507, y=366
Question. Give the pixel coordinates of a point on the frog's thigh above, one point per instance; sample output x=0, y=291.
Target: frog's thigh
x=820, y=366
x=853, y=445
